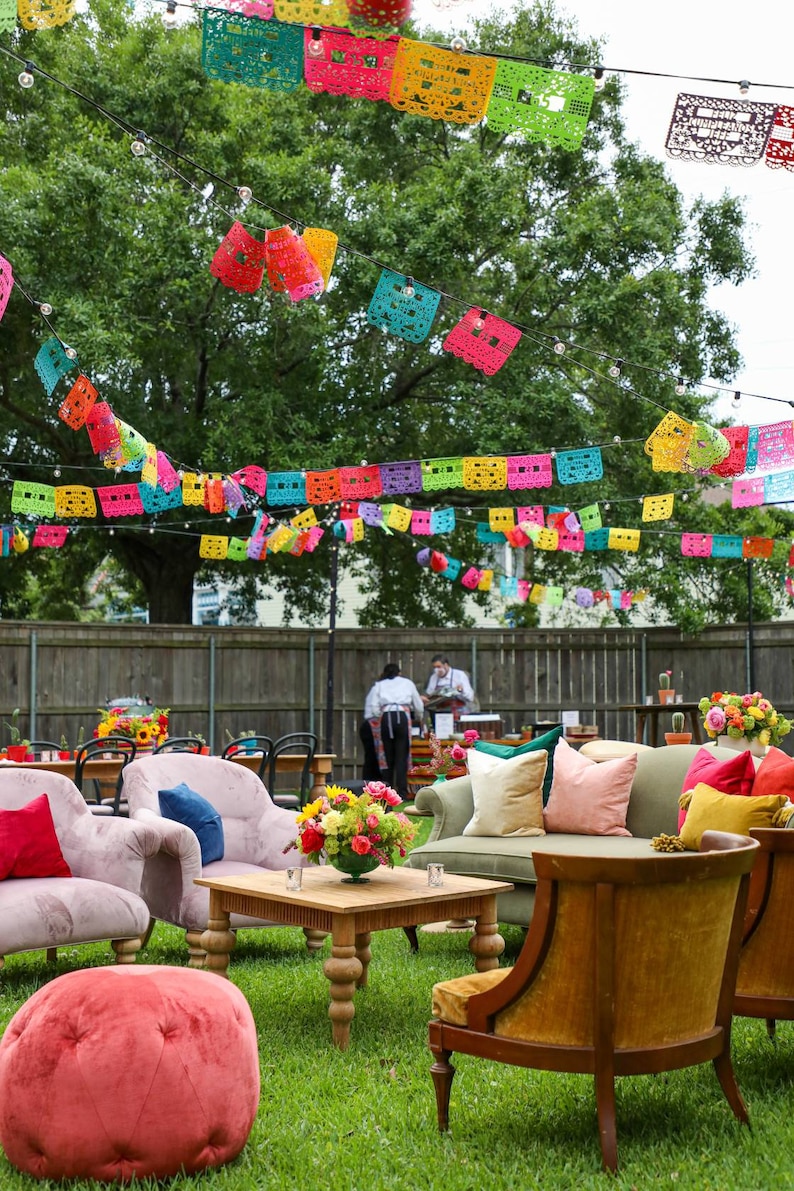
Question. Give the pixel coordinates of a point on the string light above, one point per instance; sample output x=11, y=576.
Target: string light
x=744, y=87
x=559, y=346
x=45, y=308
x=614, y=369
x=245, y=194
x=737, y=399
x=70, y=353
x=598, y=78
x=26, y=78
x=408, y=288
x=315, y=47
x=138, y=146
x=458, y=45
x=680, y=387
x=479, y=322
x=170, y=19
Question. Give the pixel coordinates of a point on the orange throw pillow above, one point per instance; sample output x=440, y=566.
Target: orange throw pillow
x=775, y=775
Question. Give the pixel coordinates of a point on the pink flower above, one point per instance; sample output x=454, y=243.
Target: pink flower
x=402, y=819
x=470, y=735
x=747, y=700
x=715, y=720
x=458, y=753
x=361, y=845
x=372, y=821
x=391, y=797
x=376, y=789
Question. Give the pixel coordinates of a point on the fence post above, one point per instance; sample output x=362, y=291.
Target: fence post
x=211, y=694
x=311, y=682
x=34, y=667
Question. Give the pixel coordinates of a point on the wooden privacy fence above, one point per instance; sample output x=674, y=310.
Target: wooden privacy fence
x=274, y=681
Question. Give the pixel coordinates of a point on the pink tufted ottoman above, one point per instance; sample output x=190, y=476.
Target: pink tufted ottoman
x=141, y=1070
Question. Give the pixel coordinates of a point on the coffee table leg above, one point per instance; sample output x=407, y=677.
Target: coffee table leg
x=486, y=944
x=364, y=955
x=217, y=940
x=343, y=969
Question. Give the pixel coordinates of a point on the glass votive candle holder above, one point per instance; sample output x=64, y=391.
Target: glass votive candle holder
x=435, y=875
x=294, y=879
x=649, y=700
x=679, y=699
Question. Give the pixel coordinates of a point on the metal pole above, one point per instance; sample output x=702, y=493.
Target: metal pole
x=211, y=696
x=34, y=669
x=329, y=689
x=750, y=661
x=474, y=664
x=311, y=681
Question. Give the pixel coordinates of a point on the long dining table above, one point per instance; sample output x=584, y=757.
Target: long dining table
x=106, y=769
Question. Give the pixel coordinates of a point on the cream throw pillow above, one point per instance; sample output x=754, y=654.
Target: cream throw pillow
x=508, y=795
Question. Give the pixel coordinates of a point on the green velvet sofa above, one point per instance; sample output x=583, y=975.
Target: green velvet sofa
x=653, y=809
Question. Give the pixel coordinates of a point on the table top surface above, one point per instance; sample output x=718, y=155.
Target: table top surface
x=323, y=888
x=285, y=762
x=658, y=706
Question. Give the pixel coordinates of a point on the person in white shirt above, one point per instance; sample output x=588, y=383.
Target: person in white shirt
x=393, y=699
x=444, y=680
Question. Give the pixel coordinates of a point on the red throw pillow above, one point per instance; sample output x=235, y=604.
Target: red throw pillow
x=775, y=775
x=28, y=844
x=736, y=776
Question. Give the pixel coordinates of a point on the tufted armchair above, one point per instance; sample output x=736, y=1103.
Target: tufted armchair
x=108, y=858
x=255, y=833
x=629, y=967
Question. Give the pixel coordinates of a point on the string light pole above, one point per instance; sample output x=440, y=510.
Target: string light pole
x=330, y=657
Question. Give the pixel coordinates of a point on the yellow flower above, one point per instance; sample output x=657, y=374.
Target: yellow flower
x=755, y=712
x=332, y=821
x=772, y=719
x=764, y=736
x=331, y=792
x=309, y=811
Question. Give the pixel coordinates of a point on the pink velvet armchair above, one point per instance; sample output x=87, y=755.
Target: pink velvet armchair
x=255, y=833
x=107, y=857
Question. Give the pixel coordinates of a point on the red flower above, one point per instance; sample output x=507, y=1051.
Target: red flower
x=361, y=845
x=312, y=840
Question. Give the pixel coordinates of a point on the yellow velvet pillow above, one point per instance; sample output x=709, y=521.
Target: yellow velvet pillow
x=711, y=810
x=508, y=795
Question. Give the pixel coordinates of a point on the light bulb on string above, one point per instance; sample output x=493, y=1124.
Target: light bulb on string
x=744, y=88
x=45, y=308
x=26, y=78
x=615, y=367
x=151, y=529
x=458, y=45
x=598, y=78
x=737, y=399
x=479, y=321
x=408, y=288
x=170, y=18
x=56, y=471
x=558, y=346
x=69, y=352
x=245, y=194
x=138, y=146
x=315, y=46
x=617, y=440
x=680, y=387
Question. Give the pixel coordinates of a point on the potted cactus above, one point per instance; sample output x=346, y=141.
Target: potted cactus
x=18, y=748
x=666, y=692
x=678, y=735
x=64, y=753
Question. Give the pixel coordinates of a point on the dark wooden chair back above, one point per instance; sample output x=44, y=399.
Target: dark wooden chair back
x=765, y=984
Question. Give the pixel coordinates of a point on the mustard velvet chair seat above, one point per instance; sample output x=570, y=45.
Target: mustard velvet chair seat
x=121, y=1073
x=597, y=986
x=255, y=833
x=765, y=984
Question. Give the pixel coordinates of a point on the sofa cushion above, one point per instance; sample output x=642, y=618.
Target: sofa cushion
x=547, y=741
x=28, y=844
x=735, y=776
x=711, y=810
x=589, y=798
x=775, y=775
x=186, y=806
x=508, y=795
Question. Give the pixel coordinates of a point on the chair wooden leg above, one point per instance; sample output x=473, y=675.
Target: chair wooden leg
x=411, y=936
x=771, y=1029
x=146, y=936
x=198, y=955
x=442, y=1072
x=607, y=1125
x=126, y=949
x=51, y=955
x=725, y=1074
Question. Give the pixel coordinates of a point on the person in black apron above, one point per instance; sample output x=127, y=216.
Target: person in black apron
x=394, y=699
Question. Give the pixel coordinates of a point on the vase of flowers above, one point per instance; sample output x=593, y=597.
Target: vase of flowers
x=743, y=721
x=446, y=760
x=354, y=833
x=666, y=692
x=147, y=731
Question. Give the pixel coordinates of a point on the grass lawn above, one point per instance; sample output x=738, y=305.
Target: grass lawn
x=365, y=1120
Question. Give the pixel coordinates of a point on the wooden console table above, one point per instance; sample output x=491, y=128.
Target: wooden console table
x=652, y=712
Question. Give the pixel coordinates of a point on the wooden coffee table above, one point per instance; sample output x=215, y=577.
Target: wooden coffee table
x=392, y=898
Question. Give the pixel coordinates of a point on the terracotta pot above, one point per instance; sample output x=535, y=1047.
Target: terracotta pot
x=667, y=696
x=678, y=738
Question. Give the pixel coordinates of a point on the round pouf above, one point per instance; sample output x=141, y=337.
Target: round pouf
x=135, y=1070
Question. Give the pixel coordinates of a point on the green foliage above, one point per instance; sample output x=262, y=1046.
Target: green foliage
x=595, y=247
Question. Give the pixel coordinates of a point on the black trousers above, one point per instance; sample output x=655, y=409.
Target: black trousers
x=370, y=771
x=396, y=736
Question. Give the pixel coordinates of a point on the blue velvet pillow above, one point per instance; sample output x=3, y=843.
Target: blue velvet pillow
x=186, y=806
x=547, y=741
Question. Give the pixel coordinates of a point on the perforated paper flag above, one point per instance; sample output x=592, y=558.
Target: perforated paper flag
x=452, y=570
x=549, y=106
x=322, y=487
x=149, y=469
x=775, y=445
x=579, y=467
x=399, y=518
x=546, y=539
x=572, y=541
x=214, y=499
x=8, y=15
x=779, y=488
x=484, y=473
x=430, y=81
x=38, y=499
x=399, y=479
x=420, y=522
x=102, y=429
x=78, y=403
x=305, y=520
x=508, y=586
x=731, y=131
x=192, y=489
x=482, y=340
x=584, y=597
x=471, y=578
x=780, y=146
x=290, y=265
x=286, y=488
x=239, y=260
x=696, y=545
x=312, y=12
x=590, y=517
x=531, y=513
x=501, y=520
x=44, y=14
x=669, y=442
x=442, y=521
x=658, y=508
x=706, y=449
x=6, y=273
x=74, y=500
x=120, y=500
x=322, y=246
x=517, y=538
x=252, y=477
x=726, y=546
x=624, y=539
x=735, y=461
x=597, y=539
x=757, y=547
x=360, y=67
x=157, y=500
x=486, y=536
x=486, y=579
x=372, y=514
x=213, y=546
x=237, y=550
x=50, y=535
x=408, y=316
x=748, y=492
x=52, y=363
x=438, y=474
x=360, y=483
x=529, y=471
x=247, y=50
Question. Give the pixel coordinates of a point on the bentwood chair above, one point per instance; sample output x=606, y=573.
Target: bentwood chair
x=253, y=746
x=180, y=744
x=765, y=984
x=37, y=747
x=304, y=743
x=629, y=967
x=118, y=748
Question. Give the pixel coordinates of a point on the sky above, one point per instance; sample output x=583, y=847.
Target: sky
x=706, y=39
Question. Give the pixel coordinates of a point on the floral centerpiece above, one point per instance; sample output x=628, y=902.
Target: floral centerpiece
x=446, y=757
x=750, y=717
x=355, y=833
x=146, y=730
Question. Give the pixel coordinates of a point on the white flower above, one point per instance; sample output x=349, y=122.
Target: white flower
x=332, y=821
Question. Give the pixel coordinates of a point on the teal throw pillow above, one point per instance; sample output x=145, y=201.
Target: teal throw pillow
x=184, y=805
x=547, y=741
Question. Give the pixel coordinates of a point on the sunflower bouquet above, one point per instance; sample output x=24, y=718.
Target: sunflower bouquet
x=342, y=822
x=145, y=730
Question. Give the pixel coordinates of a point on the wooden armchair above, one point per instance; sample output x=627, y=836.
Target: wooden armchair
x=765, y=984
x=629, y=967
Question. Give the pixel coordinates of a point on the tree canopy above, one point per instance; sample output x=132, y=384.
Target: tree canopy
x=596, y=247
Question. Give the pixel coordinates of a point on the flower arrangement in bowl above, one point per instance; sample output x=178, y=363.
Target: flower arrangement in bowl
x=354, y=832
x=748, y=717
x=446, y=759
x=146, y=730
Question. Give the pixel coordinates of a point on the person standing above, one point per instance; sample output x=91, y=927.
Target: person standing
x=369, y=734
x=393, y=698
x=444, y=681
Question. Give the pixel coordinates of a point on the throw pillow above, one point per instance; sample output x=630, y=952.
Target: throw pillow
x=28, y=844
x=547, y=741
x=712, y=810
x=588, y=798
x=186, y=806
x=775, y=775
x=731, y=777
x=508, y=795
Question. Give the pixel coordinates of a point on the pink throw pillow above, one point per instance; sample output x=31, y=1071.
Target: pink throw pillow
x=588, y=798
x=729, y=777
